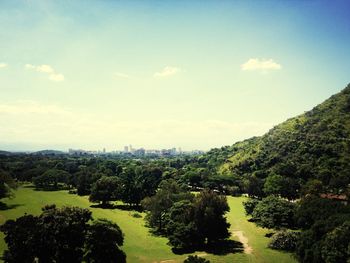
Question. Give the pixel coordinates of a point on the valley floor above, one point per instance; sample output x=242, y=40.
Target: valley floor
x=140, y=245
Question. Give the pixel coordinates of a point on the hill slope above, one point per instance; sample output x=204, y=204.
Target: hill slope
x=315, y=144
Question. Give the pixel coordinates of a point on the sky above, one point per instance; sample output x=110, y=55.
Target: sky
x=163, y=74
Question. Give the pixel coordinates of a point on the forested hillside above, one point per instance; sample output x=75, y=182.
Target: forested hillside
x=313, y=145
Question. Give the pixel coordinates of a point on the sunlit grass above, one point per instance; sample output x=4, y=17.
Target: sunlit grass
x=140, y=245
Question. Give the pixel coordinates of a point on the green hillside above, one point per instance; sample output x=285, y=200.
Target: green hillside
x=314, y=145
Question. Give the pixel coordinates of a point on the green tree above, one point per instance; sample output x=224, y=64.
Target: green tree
x=57, y=235
x=103, y=243
x=20, y=237
x=274, y=212
x=195, y=259
x=273, y=184
x=6, y=184
x=336, y=245
x=62, y=235
x=181, y=228
x=250, y=205
x=159, y=204
x=51, y=179
x=253, y=186
x=106, y=189
x=209, y=211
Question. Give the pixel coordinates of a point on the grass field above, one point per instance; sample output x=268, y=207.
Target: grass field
x=140, y=245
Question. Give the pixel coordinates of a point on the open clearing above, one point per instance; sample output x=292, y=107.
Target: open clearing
x=140, y=245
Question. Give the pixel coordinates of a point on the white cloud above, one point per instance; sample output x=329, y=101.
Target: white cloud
x=47, y=69
x=260, y=65
x=121, y=75
x=3, y=65
x=166, y=72
x=56, y=77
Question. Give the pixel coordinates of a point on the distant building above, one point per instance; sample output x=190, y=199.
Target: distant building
x=126, y=149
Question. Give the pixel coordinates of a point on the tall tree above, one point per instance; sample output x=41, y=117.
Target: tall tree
x=106, y=189
x=103, y=243
x=209, y=211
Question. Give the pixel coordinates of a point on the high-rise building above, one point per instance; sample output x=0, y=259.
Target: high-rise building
x=126, y=149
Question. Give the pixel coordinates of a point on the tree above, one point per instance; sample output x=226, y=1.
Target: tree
x=57, y=235
x=6, y=184
x=284, y=240
x=105, y=189
x=336, y=245
x=139, y=183
x=84, y=182
x=250, y=205
x=62, y=235
x=195, y=259
x=209, y=211
x=274, y=212
x=313, y=208
x=103, y=243
x=51, y=179
x=158, y=205
x=273, y=184
x=20, y=237
x=181, y=228
x=313, y=187
x=325, y=241
x=254, y=186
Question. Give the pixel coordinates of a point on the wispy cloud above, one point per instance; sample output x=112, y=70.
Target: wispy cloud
x=3, y=65
x=121, y=75
x=47, y=69
x=167, y=72
x=23, y=122
x=260, y=65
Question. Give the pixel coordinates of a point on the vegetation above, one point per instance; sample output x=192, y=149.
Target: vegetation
x=296, y=176
x=190, y=222
x=61, y=235
x=137, y=234
x=196, y=259
x=284, y=240
x=273, y=212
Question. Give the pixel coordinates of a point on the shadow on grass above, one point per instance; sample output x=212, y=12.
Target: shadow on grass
x=120, y=207
x=225, y=247
x=222, y=247
x=4, y=206
x=28, y=186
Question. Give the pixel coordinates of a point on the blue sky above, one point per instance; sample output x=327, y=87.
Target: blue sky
x=158, y=74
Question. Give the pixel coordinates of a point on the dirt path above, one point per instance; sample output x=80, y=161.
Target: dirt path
x=244, y=240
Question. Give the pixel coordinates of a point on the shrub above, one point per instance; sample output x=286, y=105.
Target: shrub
x=274, y=212
x=137, y=215
x=195, y=259
x=284, y=240
x=250, y=205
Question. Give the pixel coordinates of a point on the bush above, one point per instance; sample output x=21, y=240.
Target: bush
x=137, y=215
x=195, y=259
x=274, y=212
x=250, y=205
x=284, y=240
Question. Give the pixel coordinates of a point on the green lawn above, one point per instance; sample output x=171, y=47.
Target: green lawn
x=140, y=245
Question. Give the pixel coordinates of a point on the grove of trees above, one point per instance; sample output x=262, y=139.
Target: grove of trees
x=62, y=235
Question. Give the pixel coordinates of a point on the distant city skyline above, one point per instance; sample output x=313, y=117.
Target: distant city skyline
x=196, y=74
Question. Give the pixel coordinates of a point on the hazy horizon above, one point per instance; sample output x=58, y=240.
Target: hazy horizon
x=163, y=74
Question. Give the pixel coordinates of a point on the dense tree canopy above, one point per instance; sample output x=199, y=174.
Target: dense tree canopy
x=106, y=189
x=274, y=212
x=61, y=235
